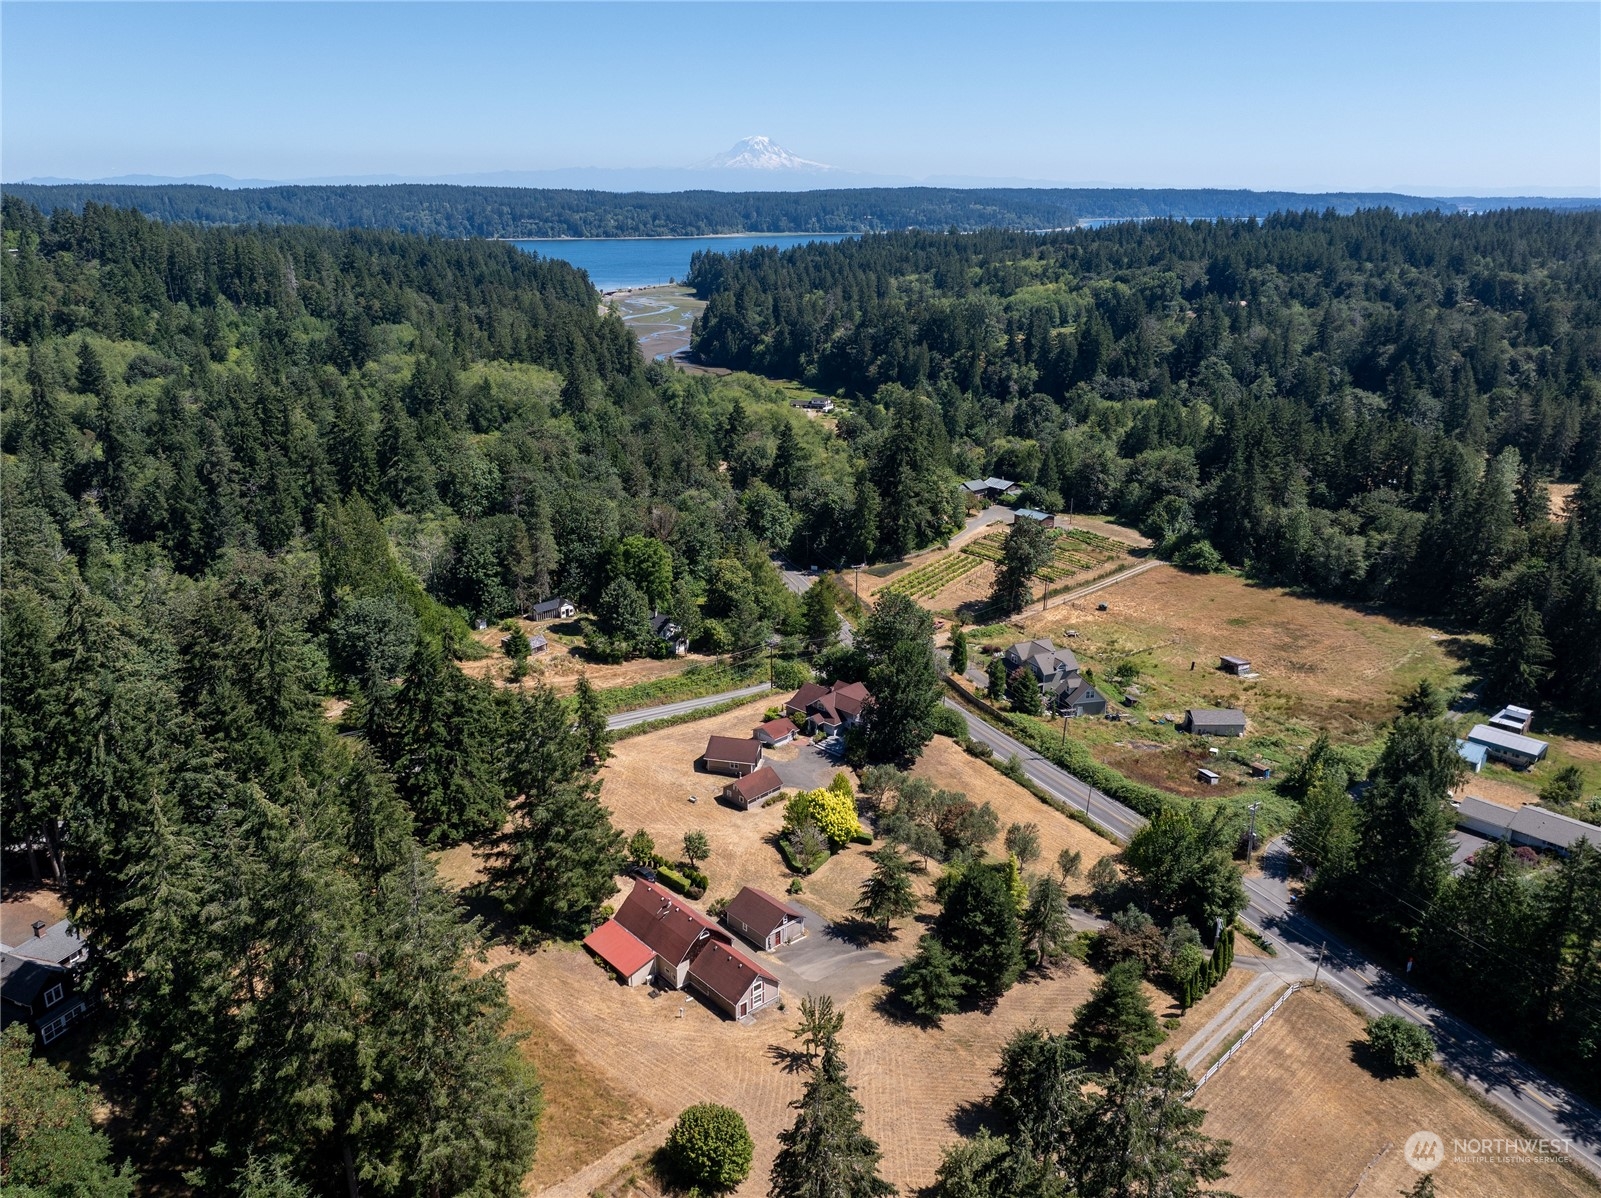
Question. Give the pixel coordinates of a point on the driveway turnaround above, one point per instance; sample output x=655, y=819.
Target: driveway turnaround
x=826, y=962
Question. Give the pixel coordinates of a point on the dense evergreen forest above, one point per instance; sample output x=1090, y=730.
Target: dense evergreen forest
x=1369, y=406
x=248, y=470
x=451, y=211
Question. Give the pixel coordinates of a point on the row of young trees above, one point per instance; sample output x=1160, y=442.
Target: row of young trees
x=1369, y=406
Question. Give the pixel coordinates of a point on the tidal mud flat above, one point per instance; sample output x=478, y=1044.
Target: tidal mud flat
x=659, y=317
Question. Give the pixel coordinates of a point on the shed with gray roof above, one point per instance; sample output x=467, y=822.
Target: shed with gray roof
x=1514, y=749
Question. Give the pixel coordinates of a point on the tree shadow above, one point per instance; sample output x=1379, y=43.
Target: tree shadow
x=789, y=1059
x=1363, y=1056
x=893, y=1009
x=971, y=1117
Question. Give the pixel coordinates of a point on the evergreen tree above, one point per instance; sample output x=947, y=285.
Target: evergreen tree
x=1024, y=691
x=1520, y=656
x=558, y=861
x=887, y=893
x=825, y=1153
x=1322, y=835
x=819, y=619
x=979, y=928
x=1139, y=1137
x=958, y=653
x=1038, y=1099
x=996, y=670
x=1045, y=926
x=437, y=737
x=929, y=983
x=1024, y=553
x=902, y=679
x=592, y=728
x=1403, y=853
x=1116, y=1020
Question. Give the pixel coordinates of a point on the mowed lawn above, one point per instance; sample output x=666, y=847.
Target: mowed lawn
x=1307, y=1120
x=620, y=1064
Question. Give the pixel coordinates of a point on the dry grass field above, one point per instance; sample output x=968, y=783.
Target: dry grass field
x=1307, y=1121
x=656, y=1055
x=946, y=765
x=1321, y=664
x=560, y=664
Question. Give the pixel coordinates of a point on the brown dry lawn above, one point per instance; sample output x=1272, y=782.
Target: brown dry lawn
x=25, y=903
x=1322, y=664
x=1306, y=1120
x=561, y=664
x=619, y=1065
x=944, y=764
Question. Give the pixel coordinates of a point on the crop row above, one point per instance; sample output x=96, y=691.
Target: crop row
x=928, y=580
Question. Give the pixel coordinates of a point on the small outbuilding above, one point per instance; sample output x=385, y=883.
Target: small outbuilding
x=754, y=789
x=776, y=732
x=763, y=920
x=624, y=953
x=1043, y=519
x=1240, y=667
x=1514, y=719
x=554, y=609
x=1210, y=777
x=1474, y=755
x=1261, y=769
x=1518, y=751
x=730, y=755
x=1201, y=721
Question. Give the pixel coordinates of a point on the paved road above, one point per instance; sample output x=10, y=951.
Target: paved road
x=1507, y=1081
x=976, y=524
x=642, y=715
x=1111, y=815
x=800, y=581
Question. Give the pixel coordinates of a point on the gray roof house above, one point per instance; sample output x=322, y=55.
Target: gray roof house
x=554, y=609
x=1056, y=669
x=1518, y=751
x=1228, y=721
x=1533, y=826
x=1082, y=699
x=38, y=980
x=989, y=488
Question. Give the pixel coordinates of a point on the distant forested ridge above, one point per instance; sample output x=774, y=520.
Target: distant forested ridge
x=453, y=211
x=1370, y=406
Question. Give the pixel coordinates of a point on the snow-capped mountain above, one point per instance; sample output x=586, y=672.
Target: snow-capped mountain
x=760, y=154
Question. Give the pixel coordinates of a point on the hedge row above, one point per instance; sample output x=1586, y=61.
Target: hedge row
x=1074, y=758
x=794, y=864
x=691, y=887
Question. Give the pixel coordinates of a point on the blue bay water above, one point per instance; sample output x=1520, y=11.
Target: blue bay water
x=614, y=262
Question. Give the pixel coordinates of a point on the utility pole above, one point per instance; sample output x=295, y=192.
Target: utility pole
x=858, y=569
x=1064, y=743
x=1319, y=969
x=1250, y=835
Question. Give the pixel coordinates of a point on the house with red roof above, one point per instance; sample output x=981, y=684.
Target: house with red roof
x=763, y=920
x=654, y=935
x=731, y=755
x=829, y=708
x=776, y=732
x=753, y=789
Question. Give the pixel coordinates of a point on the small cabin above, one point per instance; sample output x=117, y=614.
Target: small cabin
x=1240, y=667
x=1261, y=769
x=1209, y=777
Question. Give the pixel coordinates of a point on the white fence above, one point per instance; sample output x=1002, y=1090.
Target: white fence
x=1240, y=1043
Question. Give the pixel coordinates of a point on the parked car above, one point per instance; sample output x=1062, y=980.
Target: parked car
x=643, y=872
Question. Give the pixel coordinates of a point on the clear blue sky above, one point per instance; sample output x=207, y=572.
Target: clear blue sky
x=1477, y=97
